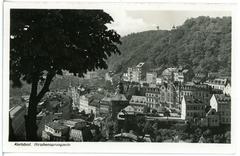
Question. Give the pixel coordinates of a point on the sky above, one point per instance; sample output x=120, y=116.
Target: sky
x=129, y=21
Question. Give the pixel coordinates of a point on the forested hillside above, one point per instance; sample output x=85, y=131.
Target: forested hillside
x=202, y=43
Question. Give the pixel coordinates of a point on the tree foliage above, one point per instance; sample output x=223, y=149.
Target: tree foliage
x=56, y=40
x=46, y=42
x=202, y=43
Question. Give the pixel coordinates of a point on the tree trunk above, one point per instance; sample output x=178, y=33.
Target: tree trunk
x=35, y=97
x=30, y=118
x=31, y=125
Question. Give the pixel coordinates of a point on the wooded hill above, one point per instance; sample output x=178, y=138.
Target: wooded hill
x=202, y=43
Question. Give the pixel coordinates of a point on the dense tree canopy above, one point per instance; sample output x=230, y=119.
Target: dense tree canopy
x=46, y=42
x=202, y=43
x=56, y=40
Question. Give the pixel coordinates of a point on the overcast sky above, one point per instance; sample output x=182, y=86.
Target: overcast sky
x=126, y=22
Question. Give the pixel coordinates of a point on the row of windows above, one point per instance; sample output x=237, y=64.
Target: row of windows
x=162, y=95
x=195, y=114
x=225, y=120
x=214, y=120
x=225, y=113
x=195, y=107
x=199, y=94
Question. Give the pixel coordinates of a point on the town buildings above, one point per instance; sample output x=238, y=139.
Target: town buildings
x=55, y=131
x=151, y=77
x=222, y=104
x=136, y=74
x=198, y=91
x=138, y=103
x=217, y=83
x=16, y=115
x=153, y=98
x=91, y=75
x=161, y=96
x=84, y=101
x=192, y=108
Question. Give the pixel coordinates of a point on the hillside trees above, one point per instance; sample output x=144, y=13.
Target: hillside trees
x=202, y=43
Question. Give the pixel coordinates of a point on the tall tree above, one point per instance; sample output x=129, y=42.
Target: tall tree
x=46, y=42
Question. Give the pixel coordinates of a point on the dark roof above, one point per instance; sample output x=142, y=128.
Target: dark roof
x=192, y=100
x=222, y=98
x=94, y=102
x=119, y=97
x=56, y=125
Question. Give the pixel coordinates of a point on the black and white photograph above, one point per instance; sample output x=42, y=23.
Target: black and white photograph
x=92, y=75
x=127, y=77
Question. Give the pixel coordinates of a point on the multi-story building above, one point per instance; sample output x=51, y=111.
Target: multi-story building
x=212, y=118
x=76, y=135
x=192, y=108
x=136, y=74
x=153, y=98
x=202, y=92
x=168, y=73
x=94, y=107
x=159, y=80
x=17, y=123
x=109, y=76
x=161, y=95
x=168, y=94
x=151, y=77
x=218, y=83
x=222, y=104
x=227, y=89
x=182, y=75
x=105, y=106
x=118, y=102
x=84, y=101
x=55, y=131
x=138, y=103
x=91, y=75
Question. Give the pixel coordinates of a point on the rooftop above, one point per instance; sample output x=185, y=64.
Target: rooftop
x=138, y=99
x=222, y=98
x=140, y=64
x=56, y=125
x=119, y=97
x=192, y=100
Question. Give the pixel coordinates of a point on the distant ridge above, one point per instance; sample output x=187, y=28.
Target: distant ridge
x=202, y=43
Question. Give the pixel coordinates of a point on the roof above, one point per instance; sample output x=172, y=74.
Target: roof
x=222, y=98
x=140, y=64
x=108, y=99
x=126, y=135
x=185, y=70
x=129, y=109
x=192, y=100
x=119, y=97
x=78, y=120
x=138, y=99
x=56, y=125
x=98, y=96
x=13, y=111
x=169, y=71
x=54, y=103
x=94, y=102
x=218, y=81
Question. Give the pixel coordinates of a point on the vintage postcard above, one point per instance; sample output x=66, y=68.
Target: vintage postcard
x=118, y=78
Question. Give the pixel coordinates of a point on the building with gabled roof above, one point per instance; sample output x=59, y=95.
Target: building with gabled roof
x=222, y=104
x=138, y=103
x=192, y=108
x=218, y=83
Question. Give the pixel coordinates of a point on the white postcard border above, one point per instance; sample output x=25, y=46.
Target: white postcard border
x=107, y=147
